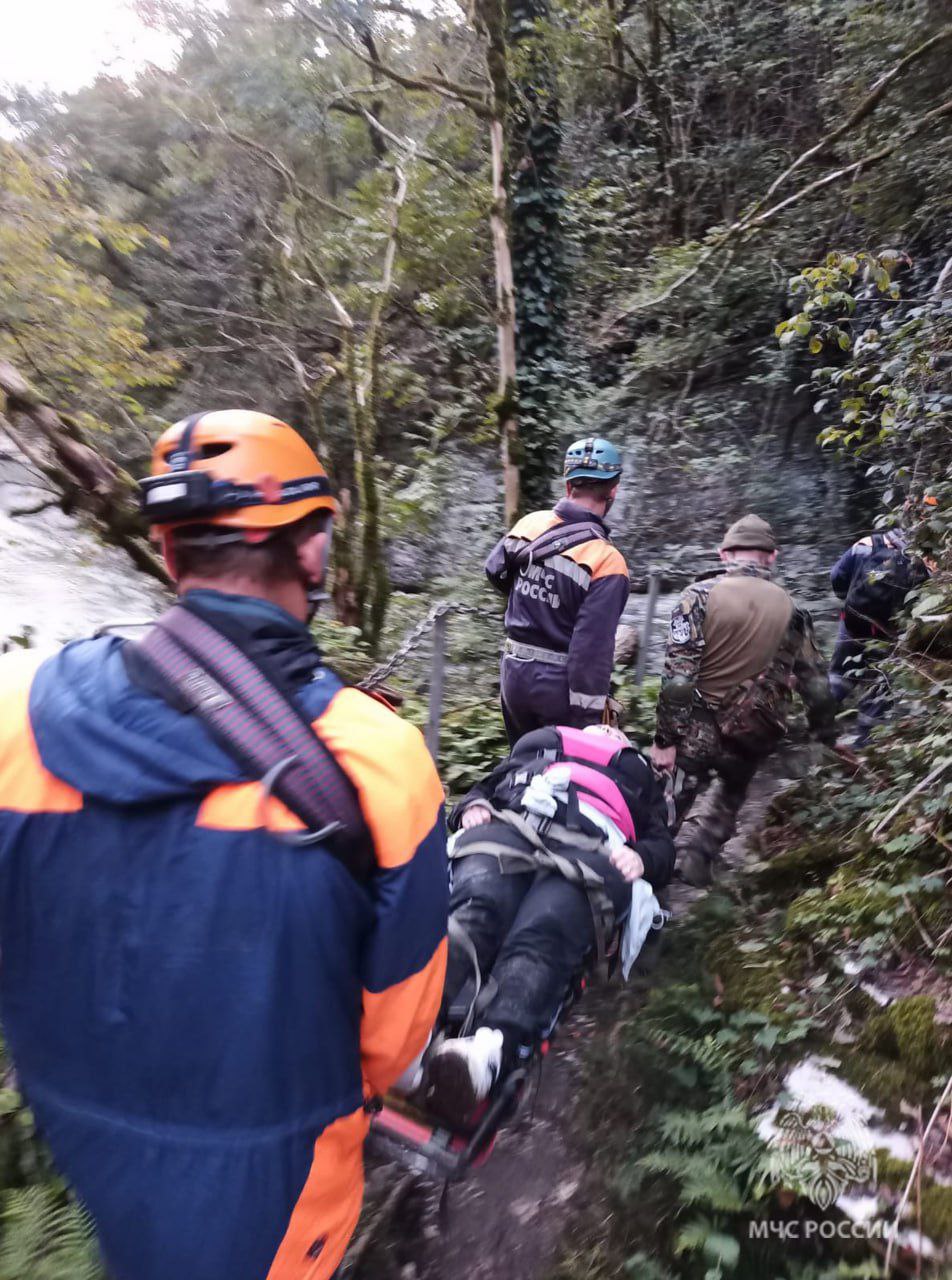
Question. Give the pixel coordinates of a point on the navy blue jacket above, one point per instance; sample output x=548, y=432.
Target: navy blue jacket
x=196, y=1010
x=570, y=604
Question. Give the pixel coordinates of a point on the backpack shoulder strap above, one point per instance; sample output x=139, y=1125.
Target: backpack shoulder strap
x=260, y=729
x=556, y=542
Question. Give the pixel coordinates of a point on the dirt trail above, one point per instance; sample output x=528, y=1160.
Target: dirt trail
x=505, y=1222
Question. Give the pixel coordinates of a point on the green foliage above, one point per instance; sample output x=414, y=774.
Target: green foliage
x=85, y=345
x=888, y=383
x=46, y=1236
x=686, y=1162
x=472, y=741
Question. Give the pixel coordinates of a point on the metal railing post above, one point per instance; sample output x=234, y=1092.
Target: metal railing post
x=654, y=587
x=437, y=673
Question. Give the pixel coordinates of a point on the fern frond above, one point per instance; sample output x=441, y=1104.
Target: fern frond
x=47, y=1237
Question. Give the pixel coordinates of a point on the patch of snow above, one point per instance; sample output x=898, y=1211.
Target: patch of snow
x=859, y=1208
x=899, y=1145
x=812, y=1083
x=916, y=1242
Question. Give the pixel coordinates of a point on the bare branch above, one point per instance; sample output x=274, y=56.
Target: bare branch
x=848, y=171
x=412, y=150
x=464, y=95
x=754, y=220
x=916, y=1167
x=865, y=108
x=276, y=165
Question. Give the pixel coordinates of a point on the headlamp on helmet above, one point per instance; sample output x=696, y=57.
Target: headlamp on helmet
x=237, y=469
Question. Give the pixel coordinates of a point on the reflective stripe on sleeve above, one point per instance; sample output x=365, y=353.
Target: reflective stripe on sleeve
x=587, y=701
x=567, y=567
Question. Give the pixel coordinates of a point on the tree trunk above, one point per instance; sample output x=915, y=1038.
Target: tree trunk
x=505, y=327
x=490, y=20
x=85, y=480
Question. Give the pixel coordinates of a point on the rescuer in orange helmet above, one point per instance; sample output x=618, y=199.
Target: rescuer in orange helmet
x=200, y=986
x=236, y=470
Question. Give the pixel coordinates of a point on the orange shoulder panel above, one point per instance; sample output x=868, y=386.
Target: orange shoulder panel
x=387, y=761
x=328, y=1207
x=600, y=557
x=25, y=785
x=411, y=1006
x=534, y=525
x=237, y=807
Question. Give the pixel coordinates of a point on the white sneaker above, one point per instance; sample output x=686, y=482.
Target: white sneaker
x=460, y=1073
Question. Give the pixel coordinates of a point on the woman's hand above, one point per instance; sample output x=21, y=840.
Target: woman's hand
x=475, y=815
x=628, y=862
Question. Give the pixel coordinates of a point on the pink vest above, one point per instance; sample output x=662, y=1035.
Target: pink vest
x=596, y=788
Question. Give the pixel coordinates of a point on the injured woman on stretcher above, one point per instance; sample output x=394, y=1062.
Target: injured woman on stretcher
x=555, y=857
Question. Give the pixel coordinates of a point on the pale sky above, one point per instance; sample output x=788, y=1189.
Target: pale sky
x=63, y=44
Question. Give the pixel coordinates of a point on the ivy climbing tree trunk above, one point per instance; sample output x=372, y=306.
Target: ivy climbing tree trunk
x=535, y=136
x=490, y=20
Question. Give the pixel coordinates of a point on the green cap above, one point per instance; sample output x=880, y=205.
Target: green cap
x=749, y=533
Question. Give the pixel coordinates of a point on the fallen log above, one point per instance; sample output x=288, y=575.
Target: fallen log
x=83, y=478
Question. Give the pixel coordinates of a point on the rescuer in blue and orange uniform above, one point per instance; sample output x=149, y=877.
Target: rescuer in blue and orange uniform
x=197, y=1011
x=562, y=613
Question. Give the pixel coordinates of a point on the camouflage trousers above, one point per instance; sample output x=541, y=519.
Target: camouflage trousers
x=712, y=778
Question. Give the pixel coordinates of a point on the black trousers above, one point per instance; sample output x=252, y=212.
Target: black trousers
x=532, y=931
x=853, y=670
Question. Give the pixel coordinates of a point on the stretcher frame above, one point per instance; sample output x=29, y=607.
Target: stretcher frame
x=423, y=1144
x=408, y=1136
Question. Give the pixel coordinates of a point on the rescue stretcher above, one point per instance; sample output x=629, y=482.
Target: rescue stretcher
x=406, y=1134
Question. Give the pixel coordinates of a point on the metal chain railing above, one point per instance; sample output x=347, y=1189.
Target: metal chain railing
x=414, y=639
x=436, y=620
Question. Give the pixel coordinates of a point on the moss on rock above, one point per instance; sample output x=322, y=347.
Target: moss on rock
x=749, y=980
x=808, y=862
x=907, y=1032
x=885, y=1082
x=917, y=1037
x=937, y=1213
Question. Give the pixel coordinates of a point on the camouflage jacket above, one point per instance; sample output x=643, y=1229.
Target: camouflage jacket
x=690, y=685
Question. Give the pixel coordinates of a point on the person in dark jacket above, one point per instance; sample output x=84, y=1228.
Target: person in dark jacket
x=871, y=578
x=197, y=1009
x=564, y=604
x=529, y=927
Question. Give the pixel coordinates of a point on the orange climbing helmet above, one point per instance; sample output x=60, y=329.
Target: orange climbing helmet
x=235, y=468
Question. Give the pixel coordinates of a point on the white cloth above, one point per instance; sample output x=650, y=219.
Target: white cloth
x=646, y=914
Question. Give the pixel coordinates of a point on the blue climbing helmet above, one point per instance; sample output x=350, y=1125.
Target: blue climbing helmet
x=592, y=459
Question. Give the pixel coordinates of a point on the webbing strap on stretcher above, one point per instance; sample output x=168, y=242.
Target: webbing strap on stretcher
x=541, y=855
